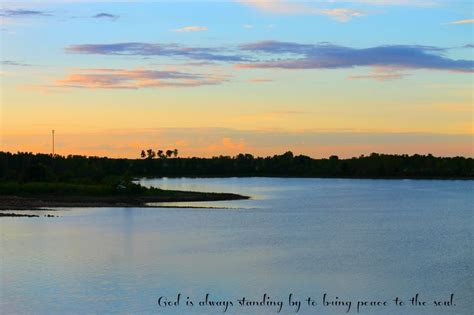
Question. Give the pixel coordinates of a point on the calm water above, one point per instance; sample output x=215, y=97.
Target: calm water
x=354, y=239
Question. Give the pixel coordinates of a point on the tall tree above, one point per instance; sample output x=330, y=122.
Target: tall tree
x=150, y=153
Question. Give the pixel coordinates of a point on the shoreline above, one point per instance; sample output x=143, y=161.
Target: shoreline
x=428, y=178
x=40, y=202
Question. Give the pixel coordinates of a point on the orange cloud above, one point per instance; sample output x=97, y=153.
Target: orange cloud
x=260, y=80
x=229, y=144
x=136, y=79
x=208, y=142
x=468, y=21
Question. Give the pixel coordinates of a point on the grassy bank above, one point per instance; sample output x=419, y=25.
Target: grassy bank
x=36, y=195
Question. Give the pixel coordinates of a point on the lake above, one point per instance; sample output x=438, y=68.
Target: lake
x=353, y=240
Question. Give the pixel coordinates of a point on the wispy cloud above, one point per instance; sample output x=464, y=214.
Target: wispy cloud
x=292, y=55
x=136, y=79
x=468, y=21
x=328, y=56
x=278, y=6
x=104, y=15
x=378, y=76
x=342, y=15
x=260, y=80
x=149, y=49
x=381, y=74
x=227, y=144
x=14, y=63
x=303, y=8
x=18, y=13
x=193, y=28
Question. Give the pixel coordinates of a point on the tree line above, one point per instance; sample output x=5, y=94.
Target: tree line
x=161, y=154
x=29, y=167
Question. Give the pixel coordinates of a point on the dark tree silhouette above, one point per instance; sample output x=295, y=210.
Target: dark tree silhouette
x=150, y=153
x=143, y=154
x=175, y=152
x=29, y=167
x=169, y=153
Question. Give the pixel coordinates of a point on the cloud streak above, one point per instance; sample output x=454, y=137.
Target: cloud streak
x=19, y=13
x=468, y=21
x=135, y=79
x=193, y=28
x=150, y=49
x=278, y=6
x=104, y=15
x=296, y=7
x=329, y=56
x=260, y=80
x=292, y=55
x=14, y=63
x=341, y=14
x=378, y=77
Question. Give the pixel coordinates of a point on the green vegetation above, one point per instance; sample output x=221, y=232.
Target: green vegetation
x=34, y=181
x=106, y=175
x=59, y=189
x=125, y=191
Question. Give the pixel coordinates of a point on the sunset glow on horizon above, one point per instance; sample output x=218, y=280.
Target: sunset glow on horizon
x=318, y=78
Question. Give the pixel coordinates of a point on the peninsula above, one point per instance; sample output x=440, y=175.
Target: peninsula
x=40, y=195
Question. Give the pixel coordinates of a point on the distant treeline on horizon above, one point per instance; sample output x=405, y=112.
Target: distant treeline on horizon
x=29, y=167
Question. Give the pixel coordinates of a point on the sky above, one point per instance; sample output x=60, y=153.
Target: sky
x=227, y=77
